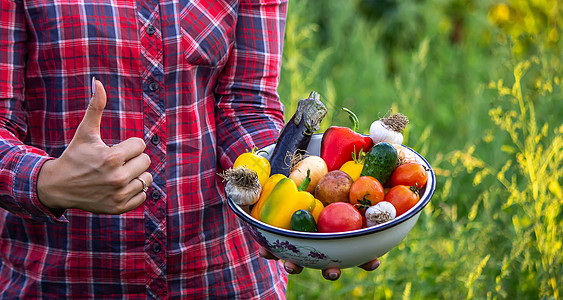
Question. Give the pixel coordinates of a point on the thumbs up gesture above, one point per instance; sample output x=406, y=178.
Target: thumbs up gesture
x=92, y=176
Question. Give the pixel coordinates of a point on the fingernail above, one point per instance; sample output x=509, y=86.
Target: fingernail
x=332, y=276
x=93, y=85
x=288, y=269
x=375, y=265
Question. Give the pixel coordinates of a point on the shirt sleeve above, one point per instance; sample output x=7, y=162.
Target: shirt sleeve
x=249, y=111
x=19, y=163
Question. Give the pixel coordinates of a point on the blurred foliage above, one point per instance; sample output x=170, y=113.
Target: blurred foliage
x=481, y=82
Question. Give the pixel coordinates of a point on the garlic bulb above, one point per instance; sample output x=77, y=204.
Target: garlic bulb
x=380, y=213
x=389, y=129
x=242, y=185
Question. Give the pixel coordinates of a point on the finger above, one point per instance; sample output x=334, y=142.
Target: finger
x=119, y=197
x=371, y=265
x=143, y=181
x=134, y=202
x=137, y=165
x=331, y=274
x=90, y=125
x=266, y=254
x=130, y=148
x=136, y=190
x=136, y=186
x=292, y=268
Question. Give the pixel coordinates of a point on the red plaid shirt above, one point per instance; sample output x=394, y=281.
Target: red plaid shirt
x=197, y=80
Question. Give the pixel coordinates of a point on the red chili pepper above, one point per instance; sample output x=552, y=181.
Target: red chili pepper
x=338, y=143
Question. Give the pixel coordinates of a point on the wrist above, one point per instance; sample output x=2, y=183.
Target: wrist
x=43, y=187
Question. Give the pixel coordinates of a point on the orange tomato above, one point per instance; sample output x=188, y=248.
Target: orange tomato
x=402, y=197
x=365, y=192
x=410, y=174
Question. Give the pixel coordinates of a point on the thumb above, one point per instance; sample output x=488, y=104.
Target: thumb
x=90, y=125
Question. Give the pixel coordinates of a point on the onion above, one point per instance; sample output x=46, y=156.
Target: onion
x=404, y=154
x=389, y=129
x=317, y=167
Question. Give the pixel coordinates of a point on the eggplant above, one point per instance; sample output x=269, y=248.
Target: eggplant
x=296, y=134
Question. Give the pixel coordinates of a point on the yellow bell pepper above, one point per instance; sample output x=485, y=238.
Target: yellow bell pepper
x=317, y=210
x=283, y=201
x=266, y=190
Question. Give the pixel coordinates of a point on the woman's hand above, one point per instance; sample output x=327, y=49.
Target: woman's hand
x=92, y=176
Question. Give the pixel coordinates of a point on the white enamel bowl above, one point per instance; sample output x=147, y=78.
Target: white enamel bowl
x=342, y=249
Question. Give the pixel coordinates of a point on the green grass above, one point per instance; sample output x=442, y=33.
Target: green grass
x=484, y=96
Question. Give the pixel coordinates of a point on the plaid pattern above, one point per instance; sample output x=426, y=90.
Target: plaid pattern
x=197, y=80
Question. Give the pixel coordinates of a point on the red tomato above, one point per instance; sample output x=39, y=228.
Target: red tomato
x=402, y=197
x=366, y=191
x=338, y=217
x=410, y=174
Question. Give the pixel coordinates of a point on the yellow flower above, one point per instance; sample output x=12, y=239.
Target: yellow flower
x=499, y=14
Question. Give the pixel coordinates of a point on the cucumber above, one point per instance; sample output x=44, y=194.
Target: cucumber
x=303, y=220
x=380, y=162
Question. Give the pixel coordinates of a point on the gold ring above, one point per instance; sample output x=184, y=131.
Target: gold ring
x=145, y=187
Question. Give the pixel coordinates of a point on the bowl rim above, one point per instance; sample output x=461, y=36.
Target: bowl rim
x=424, y=199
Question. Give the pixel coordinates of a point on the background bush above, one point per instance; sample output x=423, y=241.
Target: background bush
x=481, y=82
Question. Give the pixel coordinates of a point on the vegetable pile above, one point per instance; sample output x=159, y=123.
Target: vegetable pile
x=357, y=181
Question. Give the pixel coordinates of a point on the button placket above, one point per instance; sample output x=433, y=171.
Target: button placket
x=154, y=121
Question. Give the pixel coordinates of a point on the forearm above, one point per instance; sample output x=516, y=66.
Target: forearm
x=249, y=112
x=19, y=170
x=19, y=163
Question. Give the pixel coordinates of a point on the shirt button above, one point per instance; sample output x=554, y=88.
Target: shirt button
x=156, y=247
x=151, y=30
x=155, y=195
x=153, y=86
x=155, y=139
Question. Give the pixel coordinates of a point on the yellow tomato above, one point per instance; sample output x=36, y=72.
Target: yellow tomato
x=256, y=163
x=352, y=168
